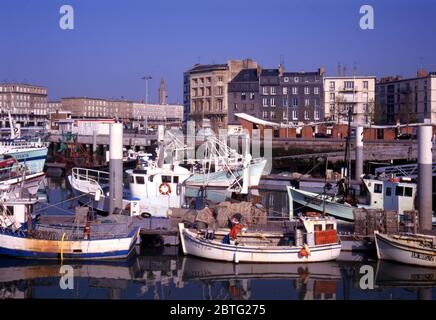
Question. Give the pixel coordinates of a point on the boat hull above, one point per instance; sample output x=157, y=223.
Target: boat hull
x=214, y=250
x=24, y=247
x=31, y=183
x=315, y=201
x=395, y=250
x=223, y=179
x=33, y=159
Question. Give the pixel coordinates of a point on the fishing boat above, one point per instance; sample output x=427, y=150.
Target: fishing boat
x=396, y=194
x=32, y=156
x=306, y=239
x=62, y=237
x=152, y=189
x=219, y=165
x=408, y=248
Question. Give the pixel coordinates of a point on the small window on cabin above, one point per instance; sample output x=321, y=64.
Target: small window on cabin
x=329, y=226
x=378, y=188
x=176, y=179
x=317, y=227
x=388, y=191
x=10, y=211
x=140, y=180
x=408, y=191
x=166, y=179
x=399, y=191
x=131, y=179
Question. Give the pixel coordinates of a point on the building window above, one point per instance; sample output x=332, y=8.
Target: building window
x=365, y=84
x=295, y=102
x=220, y=79
x=243, y=96
x=265, y=102
x=294, y=115
x=306, y=115
x=316, y=102
x=273, y=114
x=306, y=90
x=349, y=84
x=285, y=115
x=235, y=106
x=220, y=91
x=294, y=90
x=316, y=115
x=296, y=79
x=285, y=90
x=285, y=102
x=273, y=102
x=252, y=96
x=306, y=102
x=265, y=90
x=332, y=85
x=316, y=90
x=220, y=105
x=265, y=114
x=252, y=106
x=273, y=90
x=332, y=97
x=286, y=79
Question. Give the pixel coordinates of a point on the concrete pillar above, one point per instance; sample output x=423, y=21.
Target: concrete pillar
x=115, y=166
x=359, y=153
x=425, y=177
x=94, y=140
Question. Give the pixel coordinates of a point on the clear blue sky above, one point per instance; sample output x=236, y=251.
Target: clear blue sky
x=115, y=42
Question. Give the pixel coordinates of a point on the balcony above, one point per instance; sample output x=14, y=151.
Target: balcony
x=343, y=88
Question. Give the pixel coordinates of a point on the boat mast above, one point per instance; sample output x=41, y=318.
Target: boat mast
x=347, y=158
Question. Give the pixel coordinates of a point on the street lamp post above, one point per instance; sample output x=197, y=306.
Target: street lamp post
x=146, y=78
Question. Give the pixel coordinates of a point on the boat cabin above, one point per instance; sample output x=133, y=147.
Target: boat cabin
x=14, y=213
x=393, y=194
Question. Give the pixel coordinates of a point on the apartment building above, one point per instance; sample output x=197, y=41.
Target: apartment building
x=407, y=100
x=23, y=99
x=155, y=114
x=276, y=95
x=98, y=108
x=205, y=91
x=343, y=93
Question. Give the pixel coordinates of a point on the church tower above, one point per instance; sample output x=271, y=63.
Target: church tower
x=162, y=92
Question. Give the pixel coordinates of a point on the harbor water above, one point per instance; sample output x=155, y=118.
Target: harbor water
x=165, y=274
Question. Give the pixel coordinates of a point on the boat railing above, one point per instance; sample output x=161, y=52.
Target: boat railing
x=90, y=180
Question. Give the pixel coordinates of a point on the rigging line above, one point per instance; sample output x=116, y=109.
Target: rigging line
x=57, y=204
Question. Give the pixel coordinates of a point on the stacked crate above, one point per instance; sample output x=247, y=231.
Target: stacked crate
x=366, y=221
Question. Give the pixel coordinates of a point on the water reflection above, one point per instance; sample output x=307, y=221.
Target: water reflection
x=166, y=275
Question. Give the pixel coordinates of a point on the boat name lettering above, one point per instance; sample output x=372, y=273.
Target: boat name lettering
x=421, y=256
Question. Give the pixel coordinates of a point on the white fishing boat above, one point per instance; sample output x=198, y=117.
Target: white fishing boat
x=152, y=190
x=219, y=165
x=391, y=194
x=414, y=249
x=22, y=236
x=311, y=239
